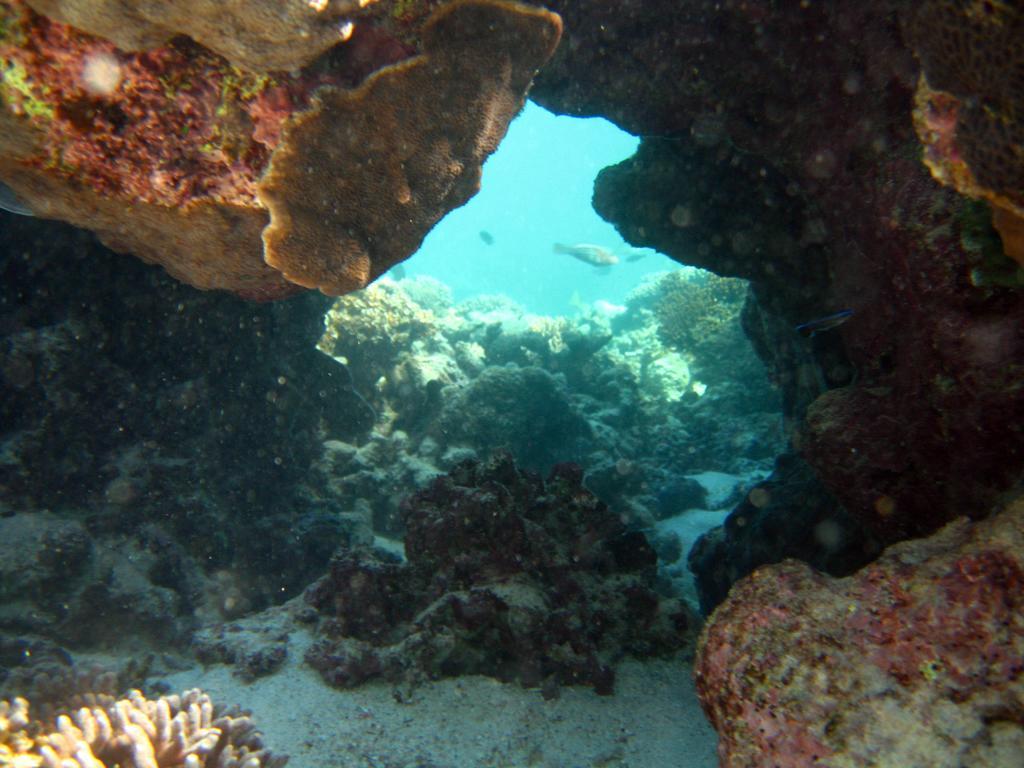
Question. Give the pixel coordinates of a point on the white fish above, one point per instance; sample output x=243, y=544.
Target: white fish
x=608, y=309
x=597, y=255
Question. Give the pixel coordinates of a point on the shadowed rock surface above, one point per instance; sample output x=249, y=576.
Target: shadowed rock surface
x=506, y=575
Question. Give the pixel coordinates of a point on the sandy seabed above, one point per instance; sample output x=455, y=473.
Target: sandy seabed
x=652, y=721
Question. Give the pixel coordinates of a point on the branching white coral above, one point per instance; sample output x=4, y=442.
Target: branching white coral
x=184, y=731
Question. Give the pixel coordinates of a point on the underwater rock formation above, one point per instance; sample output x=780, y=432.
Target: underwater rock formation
x=192, y=458
x=969, y=110
x=914, y=660
x=97, y=730
x=788, y=515
x=803, y=116
x=262, y=182
x=506, y=575
x=155, y=441
x=526, y=410
x=259, y=36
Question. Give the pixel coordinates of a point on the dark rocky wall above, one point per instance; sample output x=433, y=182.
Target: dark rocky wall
x=779, y=146
x=139, y=415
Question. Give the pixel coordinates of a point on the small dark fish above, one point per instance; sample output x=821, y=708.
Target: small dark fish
x=635, y=255
x=9, y=201
x=813, y=327
x=487, y=237
x=397, y=272
x=595, y=255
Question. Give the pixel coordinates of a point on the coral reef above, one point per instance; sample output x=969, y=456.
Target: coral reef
x=256, y=183
x=446, y=382
x=389, y=159
x=136, y=732
x=506, y=575
x=156, y=485
x=914, y=660
x=155, y=443
x=693, y=312
x=526, y=410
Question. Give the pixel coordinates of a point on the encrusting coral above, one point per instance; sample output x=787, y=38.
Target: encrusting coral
x=380, y=166
x=915, y=659
x=258, y=183
x=261, y=35
x=133, y=732
x=969, y=113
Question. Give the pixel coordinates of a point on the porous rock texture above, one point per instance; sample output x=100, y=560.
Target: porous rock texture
x=779, y=145
x=917, y=659
x=788, y=515
x=505, y=575
x=970, y=103
x=262, y=183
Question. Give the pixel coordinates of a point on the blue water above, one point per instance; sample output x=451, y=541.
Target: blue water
x=536, y=191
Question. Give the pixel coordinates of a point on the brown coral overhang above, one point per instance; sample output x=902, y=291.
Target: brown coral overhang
x=376, y=168
x=355, y=181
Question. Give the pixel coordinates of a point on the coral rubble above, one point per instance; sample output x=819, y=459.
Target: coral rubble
x=261, y=182
x=916, y=659
x=506, y=575
x=186, y=731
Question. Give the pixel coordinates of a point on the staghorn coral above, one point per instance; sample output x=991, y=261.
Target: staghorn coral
x=133, y=732
x=261, y=184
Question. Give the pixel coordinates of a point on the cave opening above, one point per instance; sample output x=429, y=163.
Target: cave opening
x=505, y=332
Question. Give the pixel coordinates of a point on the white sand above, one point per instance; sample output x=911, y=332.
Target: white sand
x=652, y=721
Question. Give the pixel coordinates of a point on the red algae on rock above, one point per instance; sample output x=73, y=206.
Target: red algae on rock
x=161, y=152
x=970, y=109
x=918, y=659
x=173, y=130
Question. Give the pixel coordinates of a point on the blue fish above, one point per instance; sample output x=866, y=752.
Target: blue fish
x=814, y=327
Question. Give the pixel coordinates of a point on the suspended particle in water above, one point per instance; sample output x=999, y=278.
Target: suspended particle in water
x=759, y=497
x=101, y=74
x=885, y=506
x=829, y=534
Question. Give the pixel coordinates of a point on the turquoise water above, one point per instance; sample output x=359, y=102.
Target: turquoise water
x=536, y=191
